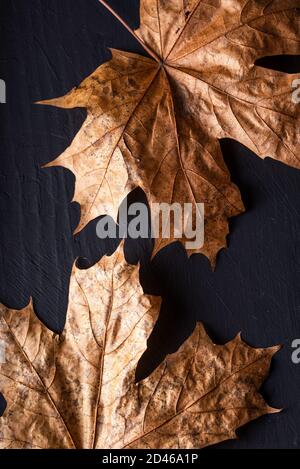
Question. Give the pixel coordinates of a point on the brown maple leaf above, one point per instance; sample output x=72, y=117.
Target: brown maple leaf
x=157, y=122
x=78, y=390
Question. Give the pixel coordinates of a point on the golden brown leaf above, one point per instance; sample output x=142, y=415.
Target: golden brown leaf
x=78, y=390
x=165, y=118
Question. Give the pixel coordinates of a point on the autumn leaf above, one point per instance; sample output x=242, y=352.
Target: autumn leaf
x=156, y=123
x=78, y=390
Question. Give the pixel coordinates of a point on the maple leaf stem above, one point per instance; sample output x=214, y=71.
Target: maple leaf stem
x=126, y=25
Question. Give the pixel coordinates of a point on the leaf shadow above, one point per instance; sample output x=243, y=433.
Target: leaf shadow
x=3, y=405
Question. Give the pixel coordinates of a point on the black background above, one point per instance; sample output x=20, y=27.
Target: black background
x=46, y=48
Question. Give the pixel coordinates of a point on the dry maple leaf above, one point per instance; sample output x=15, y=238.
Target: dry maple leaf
x=158, y=121
x=78, y=390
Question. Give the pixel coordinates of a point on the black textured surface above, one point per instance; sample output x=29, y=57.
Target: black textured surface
x=47, y=47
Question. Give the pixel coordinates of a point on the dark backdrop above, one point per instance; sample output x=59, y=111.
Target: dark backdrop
x=47, y=47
